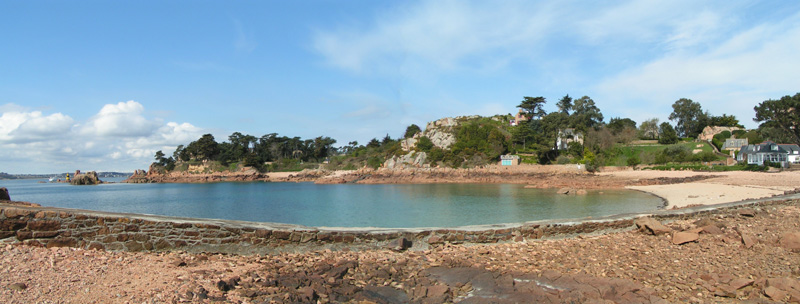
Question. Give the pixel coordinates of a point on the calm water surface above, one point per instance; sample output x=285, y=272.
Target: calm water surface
x=349, y=205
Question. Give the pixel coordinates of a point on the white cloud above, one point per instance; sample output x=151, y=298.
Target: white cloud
x=119, y=137
x=731, y=77
x=435, y=35
x=123, y=119
x=29, y=126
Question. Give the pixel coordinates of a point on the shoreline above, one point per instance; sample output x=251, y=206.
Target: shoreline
x=678, y=189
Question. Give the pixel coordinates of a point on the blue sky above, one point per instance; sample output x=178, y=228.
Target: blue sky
x=102, y=85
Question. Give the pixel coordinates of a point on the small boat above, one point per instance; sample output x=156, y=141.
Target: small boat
x=52, y=179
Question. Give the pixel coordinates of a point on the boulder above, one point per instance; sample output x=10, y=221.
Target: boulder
x=651, y=226
x=399, y=244
x=684, y=237
x=791, y=241
x=4, y=194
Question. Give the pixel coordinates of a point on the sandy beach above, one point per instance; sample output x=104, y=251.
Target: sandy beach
x=717, y=188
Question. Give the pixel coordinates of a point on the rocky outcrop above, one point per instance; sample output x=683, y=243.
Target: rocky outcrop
x=89, y=178
x=710, y=131
x=157, y=174
x=139, y=177
x=410, y=160
x=4, y=194
x=441, y=133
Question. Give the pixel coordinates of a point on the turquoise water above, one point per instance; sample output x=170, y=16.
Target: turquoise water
x=349, y=205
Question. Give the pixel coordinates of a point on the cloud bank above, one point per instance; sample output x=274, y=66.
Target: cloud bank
x=120, y=137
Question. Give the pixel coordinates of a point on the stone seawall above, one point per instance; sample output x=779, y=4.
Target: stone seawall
x=56, y=227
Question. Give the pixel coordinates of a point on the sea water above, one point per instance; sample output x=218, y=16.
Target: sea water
x=345, y=205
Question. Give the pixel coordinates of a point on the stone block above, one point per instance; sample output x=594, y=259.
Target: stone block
x=64, y=242
x=24, y=235
x=307, y=237
x=134, y=246
x=50, y=225
x=96, y=246
x=44, y=234
x=16, y=212
x=12, y=225
x=281, y=235
x=181, y=225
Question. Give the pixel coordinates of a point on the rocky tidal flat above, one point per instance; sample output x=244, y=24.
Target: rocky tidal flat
x=729, y=256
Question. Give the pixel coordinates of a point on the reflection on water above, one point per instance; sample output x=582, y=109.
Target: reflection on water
x=433, y=205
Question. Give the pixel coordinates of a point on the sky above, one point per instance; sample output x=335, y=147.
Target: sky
x=103, y=85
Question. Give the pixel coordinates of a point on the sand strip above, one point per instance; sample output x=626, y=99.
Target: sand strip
x=686, y=194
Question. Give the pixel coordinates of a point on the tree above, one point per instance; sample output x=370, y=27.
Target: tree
x=616, y=124
x=724, y=121
x=205, y=148
x=585, y=114
x=373, y=143
x=667, y=134
x=322, y=147
x=782, y=115
x=689, y=117
x=532, y=106
x=565, y=104
x=411, y=130
x=649, y=128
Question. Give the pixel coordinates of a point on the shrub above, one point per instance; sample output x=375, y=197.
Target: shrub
x=374, y=162
x=633, y=161
x=424, y=144
x=563, y=160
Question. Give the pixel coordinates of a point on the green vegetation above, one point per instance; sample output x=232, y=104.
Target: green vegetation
x=575, y=133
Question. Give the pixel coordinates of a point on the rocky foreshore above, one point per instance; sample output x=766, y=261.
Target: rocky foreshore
x=728, y=256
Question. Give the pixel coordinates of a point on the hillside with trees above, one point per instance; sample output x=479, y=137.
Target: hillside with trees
x=476, y=141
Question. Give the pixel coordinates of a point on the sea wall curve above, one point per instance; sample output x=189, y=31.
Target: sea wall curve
x=29, y=224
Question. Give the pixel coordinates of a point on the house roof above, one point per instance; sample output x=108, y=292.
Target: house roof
x=765, y=147
x=790, y=148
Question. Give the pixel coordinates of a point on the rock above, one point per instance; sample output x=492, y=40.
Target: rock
x=567, y=191
x=651, y=226
x=747, y=212
x=399, y=244
x=308, y=295
x=4, y=194
x=737, y=284
x=748, y=241
x=178, y=263
x=774, y=293
x=684, y=237
x=382, y=294
x=791, y=241
x=18, y=286
x=229, y=284
x=783, y=283
x=89, y=178
x=712, y=229
x=581, y=192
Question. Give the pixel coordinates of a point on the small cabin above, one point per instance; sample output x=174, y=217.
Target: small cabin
x=509, y=160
